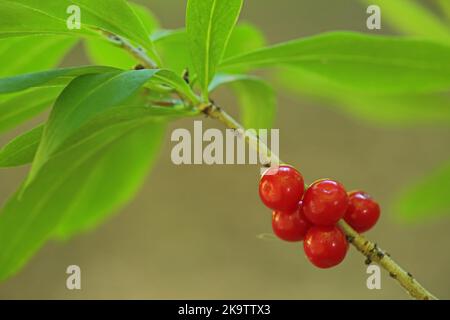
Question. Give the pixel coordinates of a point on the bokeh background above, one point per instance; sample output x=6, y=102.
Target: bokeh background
x=194, y=232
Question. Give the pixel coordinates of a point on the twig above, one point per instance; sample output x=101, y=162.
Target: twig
x=138, y=53
x=212, y=110
x=369, y=249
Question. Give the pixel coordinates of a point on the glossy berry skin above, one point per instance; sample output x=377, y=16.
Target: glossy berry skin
x=325, y=202
x=363, y=212
x=325, y=247
x=281, y=188
x=290, y=226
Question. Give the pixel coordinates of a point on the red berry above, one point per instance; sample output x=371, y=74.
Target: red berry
x=325, y=202
x=363, y=212
x=290, y=226
x=281, y=188
x=325, y=247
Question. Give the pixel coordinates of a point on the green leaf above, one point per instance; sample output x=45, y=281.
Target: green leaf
x=176, y=82
x=410, y=17
x=86, y=173
x=375, y=64
x=47, y=78
x=125, y=116
x=256, y=99
x=394, y=109
x=173, y=45
x=209, y=24
x=63, y=76
x=76, y=189
x=18, y=107
x=113, y=183
x=103, y=52
x=85, y=97
x=89, y=95
x=406, y=110
x=42, y=52
x=148, y=19
x=244, y=38
x=32, y=53
x=24, y=96
x=24, y=17
x=428, y=198
x=22, y=149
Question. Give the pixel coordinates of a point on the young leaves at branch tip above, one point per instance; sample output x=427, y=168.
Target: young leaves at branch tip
x=209, y=24
x=89, y=95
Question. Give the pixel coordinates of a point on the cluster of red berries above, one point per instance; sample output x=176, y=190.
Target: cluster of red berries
x=311, y=215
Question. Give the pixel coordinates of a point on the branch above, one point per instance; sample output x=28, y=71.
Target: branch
x=374, y=253
x=369, y=249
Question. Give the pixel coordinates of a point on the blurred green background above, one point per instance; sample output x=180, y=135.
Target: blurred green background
x=195, y=231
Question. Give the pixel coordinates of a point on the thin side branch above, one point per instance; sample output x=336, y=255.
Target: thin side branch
x=369, y=249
